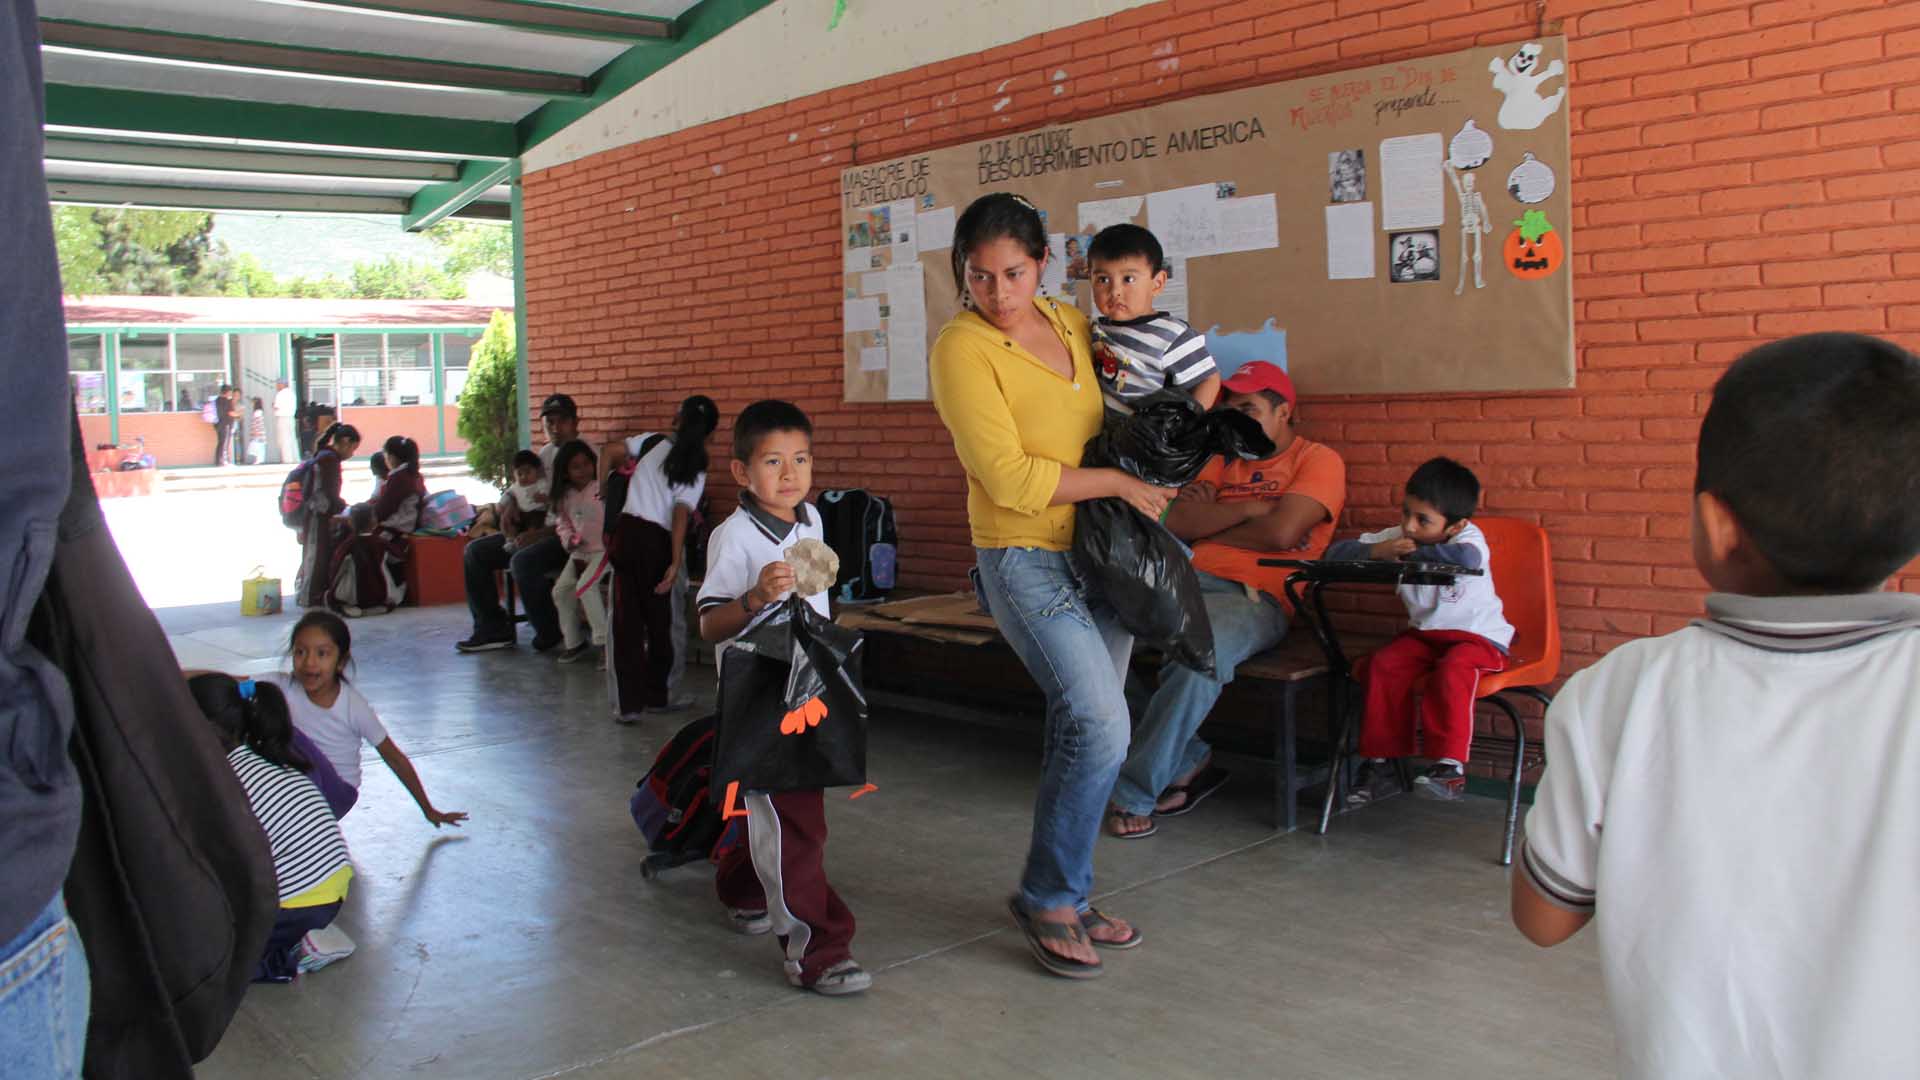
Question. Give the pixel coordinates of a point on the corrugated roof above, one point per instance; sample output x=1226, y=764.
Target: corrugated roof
x=227, y=312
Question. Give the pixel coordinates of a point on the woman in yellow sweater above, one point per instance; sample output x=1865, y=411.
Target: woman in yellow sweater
x=1013, y=380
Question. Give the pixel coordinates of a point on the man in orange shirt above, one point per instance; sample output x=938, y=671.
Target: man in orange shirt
x=1235, y=514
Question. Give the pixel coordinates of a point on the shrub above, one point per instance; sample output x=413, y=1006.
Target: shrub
x=490, y=403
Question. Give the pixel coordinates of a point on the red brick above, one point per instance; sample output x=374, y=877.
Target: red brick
x=1876, y=239
x=1689, y=77
x=1745, y=93
x=1857, y=320
x=1901, y=72
x=1828, y=109
x=1893, y=17
x=1818, y=58
x=1819, y=271
x=1787, y=299
x=1830, y=163
x=1756, y=43
x=1774, y=144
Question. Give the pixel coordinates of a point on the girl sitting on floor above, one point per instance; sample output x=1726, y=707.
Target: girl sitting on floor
x=333, y=715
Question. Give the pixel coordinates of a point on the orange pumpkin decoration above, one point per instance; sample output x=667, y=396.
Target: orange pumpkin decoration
x=1533, y=249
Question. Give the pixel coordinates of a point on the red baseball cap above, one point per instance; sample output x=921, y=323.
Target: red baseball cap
x=1255, y=375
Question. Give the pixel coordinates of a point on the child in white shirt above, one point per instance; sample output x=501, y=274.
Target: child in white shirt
x=524, y=506
x=1459, y=633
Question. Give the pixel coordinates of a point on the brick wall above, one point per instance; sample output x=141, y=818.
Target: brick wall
x=1742, y=170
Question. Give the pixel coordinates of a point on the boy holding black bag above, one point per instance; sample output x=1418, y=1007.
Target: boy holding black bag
x=778, y=878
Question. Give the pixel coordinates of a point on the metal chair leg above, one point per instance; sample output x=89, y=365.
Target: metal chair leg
x=1337, y=764
x=1519, y=763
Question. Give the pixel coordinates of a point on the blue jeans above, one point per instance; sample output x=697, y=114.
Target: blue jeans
x=1075, y=649
x=1166, y=744
x=44, y=998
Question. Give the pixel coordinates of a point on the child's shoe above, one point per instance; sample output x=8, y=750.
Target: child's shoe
x=576, y=654
x=1444, y=781
x=746, y=921
x=324, y=946
x=845, y=977
x=1373, y=781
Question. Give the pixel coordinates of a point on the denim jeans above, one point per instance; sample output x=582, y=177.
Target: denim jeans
x=44, y=998
x=1075, y=649
x=1166, y=743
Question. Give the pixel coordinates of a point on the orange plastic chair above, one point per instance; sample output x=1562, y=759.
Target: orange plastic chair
x=1523, y=576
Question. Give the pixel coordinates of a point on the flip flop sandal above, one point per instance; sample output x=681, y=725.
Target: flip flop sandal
x=1206, y=783
x=1093, y=917
x=1114, y=817
x=1037, y=932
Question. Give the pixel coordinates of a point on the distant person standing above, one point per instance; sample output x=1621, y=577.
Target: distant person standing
x=257, y=433
x=285, y=423
x=223, y=426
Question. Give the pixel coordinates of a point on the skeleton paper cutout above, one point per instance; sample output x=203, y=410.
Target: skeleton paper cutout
x=1530, y=181
x=1470, y=148
x=1533, y=249
x=1474, y=225
x=1518, y=78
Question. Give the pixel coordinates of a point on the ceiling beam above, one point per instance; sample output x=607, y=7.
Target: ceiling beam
x=226, y=118
x=261, y=56
x=485, y=211
x=536, y=15
x=695, y=27
x=430, y=204
x=255, y=161
x=168, y=197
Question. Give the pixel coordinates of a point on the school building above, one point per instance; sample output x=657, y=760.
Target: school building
x=144, y=367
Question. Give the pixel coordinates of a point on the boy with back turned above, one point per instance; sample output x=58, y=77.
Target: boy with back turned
x=1736, y=801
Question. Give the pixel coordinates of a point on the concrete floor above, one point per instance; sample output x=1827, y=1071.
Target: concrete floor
x=527, y=944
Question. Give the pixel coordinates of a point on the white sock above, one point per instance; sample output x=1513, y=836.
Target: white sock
x=1461, y=765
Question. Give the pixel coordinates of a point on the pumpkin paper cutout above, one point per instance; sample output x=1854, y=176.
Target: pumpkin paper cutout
x=1470, y=148
x=1533, y=249
x=1531, y=181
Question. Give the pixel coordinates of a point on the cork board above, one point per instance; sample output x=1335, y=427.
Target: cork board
x=1317, y=223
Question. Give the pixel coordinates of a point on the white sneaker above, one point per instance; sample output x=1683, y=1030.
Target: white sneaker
x=749, y=922
x=845, y=977
x=324, y=946
x=628, y=717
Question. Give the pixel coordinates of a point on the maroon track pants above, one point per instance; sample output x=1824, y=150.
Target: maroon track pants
x=782, y=869
x=1452, y=662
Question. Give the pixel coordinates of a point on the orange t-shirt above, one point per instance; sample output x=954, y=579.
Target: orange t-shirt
x=1303, y=468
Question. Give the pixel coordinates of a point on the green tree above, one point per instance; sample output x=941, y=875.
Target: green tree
x=490, y=402
x=474, y=245
x=403, y=279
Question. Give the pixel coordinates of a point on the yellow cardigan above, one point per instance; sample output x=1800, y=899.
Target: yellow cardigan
x=1015, y=422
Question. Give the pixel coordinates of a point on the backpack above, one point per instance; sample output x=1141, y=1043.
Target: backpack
x=293, y=495
x=445, y=513
x=614, y=492
x=671, y=806
x=860, y=528
x=207, y=412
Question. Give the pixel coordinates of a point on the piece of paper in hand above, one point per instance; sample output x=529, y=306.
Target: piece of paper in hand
x=815, y=566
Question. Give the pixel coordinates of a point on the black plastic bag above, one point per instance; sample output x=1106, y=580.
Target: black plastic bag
x=793, y=710
x=1143, y=569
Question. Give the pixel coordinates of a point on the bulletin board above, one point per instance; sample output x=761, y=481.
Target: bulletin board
x=1318, y=223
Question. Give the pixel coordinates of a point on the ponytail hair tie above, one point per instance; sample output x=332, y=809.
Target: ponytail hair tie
x=245, y=687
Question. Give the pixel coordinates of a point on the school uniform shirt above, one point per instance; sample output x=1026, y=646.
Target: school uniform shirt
x=309, y=851
x=1736, y=803
x=1303, y=468
x=1015, y=423
x=742, y=545
x=1139, y=357
x=338, y=731
x=529, y=498
x=649, y=496
x=1469, y=604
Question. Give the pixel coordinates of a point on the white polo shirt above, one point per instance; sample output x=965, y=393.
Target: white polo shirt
x=1470, y=603
x=742, y=545
x=649, y=496
x=337, y=731
x=1737, y=802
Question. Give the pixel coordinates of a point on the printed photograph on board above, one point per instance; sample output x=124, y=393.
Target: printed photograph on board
x=1413, y=256
x=1347, y=176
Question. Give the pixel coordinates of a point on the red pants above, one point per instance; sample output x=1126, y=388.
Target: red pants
x=1452, y=662
x=782, y=869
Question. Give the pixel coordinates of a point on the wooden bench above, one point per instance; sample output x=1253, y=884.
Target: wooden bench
x=1283, y=671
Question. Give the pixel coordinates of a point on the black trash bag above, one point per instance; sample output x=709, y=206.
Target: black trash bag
x=793, y=708
x=1143, y=569
x=1169, y=438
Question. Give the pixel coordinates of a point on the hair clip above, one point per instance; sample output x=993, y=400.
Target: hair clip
x=246, y=689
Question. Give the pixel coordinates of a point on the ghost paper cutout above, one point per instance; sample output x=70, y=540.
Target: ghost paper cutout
x=1518, y=78
x=1531, y=181
x=1471, y=148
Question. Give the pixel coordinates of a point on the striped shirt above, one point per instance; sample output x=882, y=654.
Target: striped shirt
x=1140, y=356
x=307, y=845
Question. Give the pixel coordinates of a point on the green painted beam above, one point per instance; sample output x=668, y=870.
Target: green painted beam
x=434, y=202
x=523, y=350
x=97, y=39
x=179, y=114
x=696, y=26
x=537, y=15
x=484, y=211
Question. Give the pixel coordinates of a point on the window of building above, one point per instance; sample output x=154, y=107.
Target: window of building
x=200, y=368
x=456, y=355
x=87, y=372
x=313, y=359
x=146, y=374
x=409, y=379
x=361, y=362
